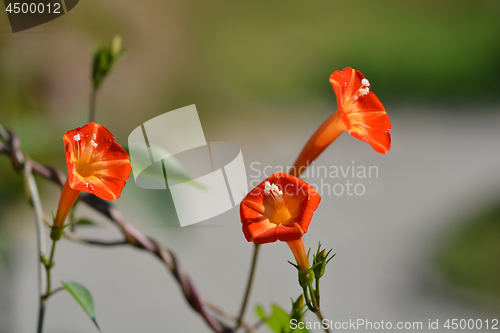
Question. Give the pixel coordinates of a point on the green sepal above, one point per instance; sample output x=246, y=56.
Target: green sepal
x=56, y=233
x=306, y=277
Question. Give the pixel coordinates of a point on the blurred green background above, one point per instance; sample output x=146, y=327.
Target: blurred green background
x=258, y=61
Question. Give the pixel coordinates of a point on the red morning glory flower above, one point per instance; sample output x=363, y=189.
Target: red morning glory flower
x=359, y=112
x=96, y=164
x=280, y=208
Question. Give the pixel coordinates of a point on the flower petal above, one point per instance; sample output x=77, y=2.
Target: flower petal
x=372, y=127
x=363, y=114
x=96, y=164
x=267, y=236
x=289, y=233
x=107, y=188
x=257, y=210
x=344, y=85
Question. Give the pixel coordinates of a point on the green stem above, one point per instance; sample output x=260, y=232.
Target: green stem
x=317, y=290
x=308, y=300
x=44, y=297
x=316, y=306
x=313, y=298
x=34, y=198
x=48, y=268
x=249, y=286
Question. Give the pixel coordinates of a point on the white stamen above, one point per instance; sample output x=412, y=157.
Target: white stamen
x=267, y=189
x=94, y=137
x=93, y=143
x=276, y=189
x=76, y=137
x=272, y=188
x=363, y=92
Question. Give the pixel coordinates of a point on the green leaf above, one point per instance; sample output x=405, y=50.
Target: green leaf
x=83, y=297
x=278, y=321
x=85, y=222
x=261, y=314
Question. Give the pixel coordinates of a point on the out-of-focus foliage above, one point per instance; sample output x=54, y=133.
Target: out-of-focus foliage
x=471, y=259
x=278, y=321
x=408, y=49
x=236, y=52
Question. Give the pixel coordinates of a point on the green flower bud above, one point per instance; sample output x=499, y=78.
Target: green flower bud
x=320, y=264
x=44, y=259
x=306, y=277
x=297, y=308
x=104, y=59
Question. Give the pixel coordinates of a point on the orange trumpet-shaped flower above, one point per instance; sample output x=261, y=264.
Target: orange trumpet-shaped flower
x=96, y=164
x=280, y=208
x=359, y=112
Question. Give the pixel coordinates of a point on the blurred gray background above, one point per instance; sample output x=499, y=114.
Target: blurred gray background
x=422, y=243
